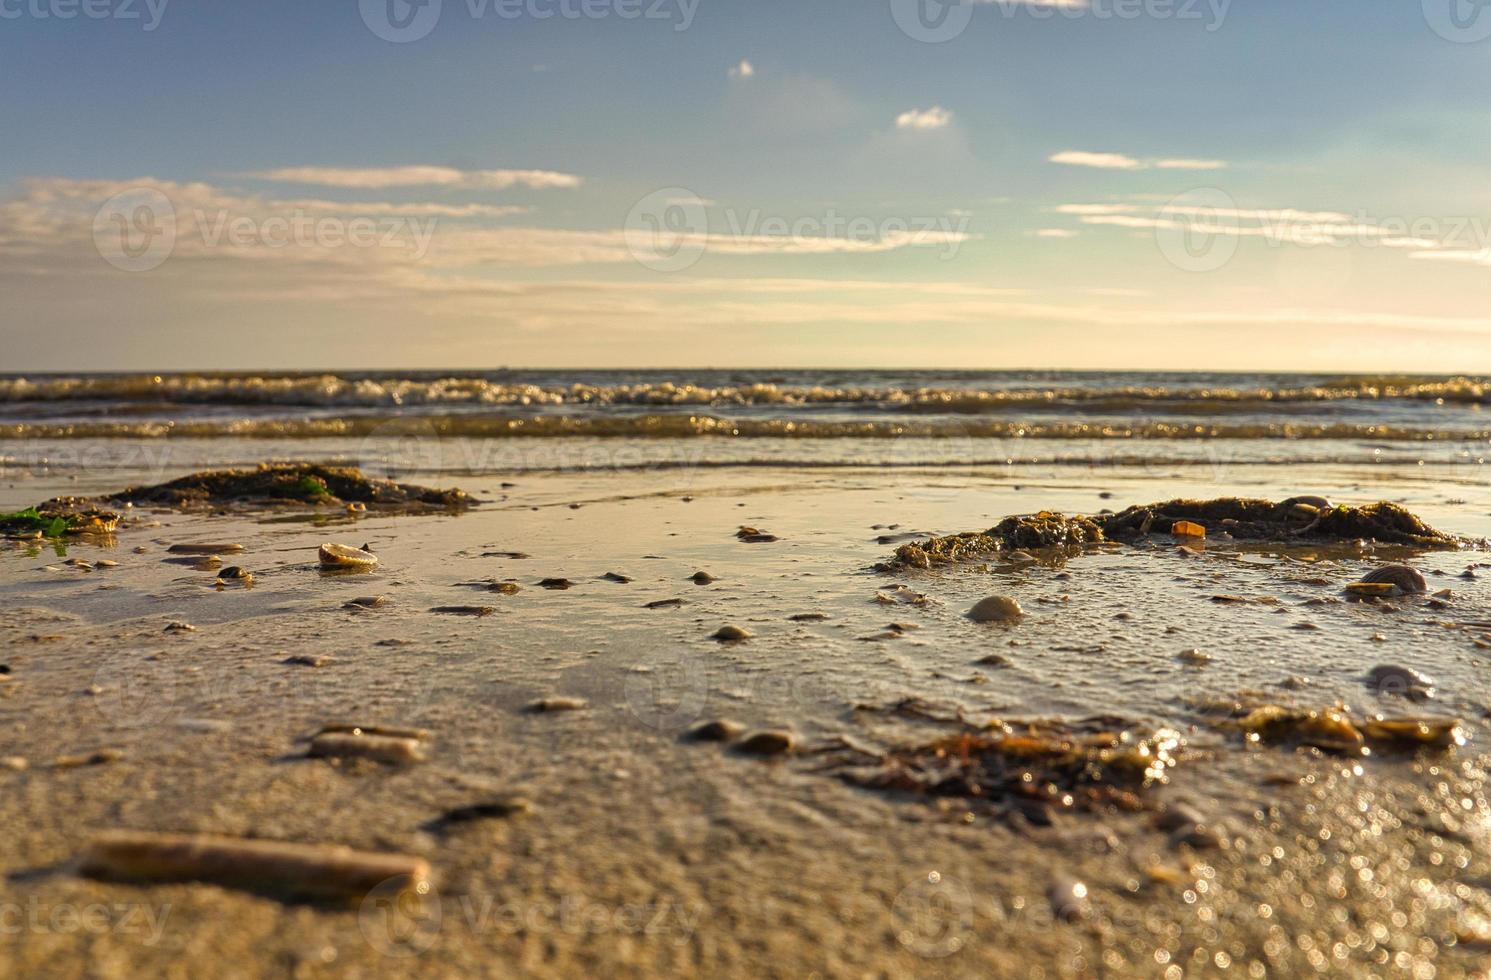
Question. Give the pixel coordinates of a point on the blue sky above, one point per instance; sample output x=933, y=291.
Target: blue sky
x=746, y=184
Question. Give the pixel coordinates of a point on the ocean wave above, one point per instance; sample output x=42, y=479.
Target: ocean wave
x=682, y=425
x=996, y=394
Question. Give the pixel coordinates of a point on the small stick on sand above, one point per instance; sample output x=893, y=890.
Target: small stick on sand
x=321, y=870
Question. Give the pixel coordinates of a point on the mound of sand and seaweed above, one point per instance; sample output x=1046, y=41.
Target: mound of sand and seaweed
x=269, y=485
x=1297, y=519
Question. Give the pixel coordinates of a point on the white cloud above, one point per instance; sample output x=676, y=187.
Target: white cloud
x=1056, y=233
x=1121, y=161
x=417, y=176
x=934, y=118
x=1186, y=163
x=743, y=70
x=1103, y=161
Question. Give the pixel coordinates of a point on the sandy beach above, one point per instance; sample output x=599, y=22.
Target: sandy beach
x=612, y=843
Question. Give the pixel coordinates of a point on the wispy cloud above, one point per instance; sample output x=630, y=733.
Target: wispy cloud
x=743, y=70
x=1102, y=161
x=1121, y=161
x=934, y=118
x=1187, y=163
x=1055, y=233
x=365, y=178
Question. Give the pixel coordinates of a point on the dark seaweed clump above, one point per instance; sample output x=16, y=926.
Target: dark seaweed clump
x=1295, y=519
x=278, y=484
x=1031, y=768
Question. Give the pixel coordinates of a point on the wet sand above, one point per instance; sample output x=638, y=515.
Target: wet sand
x=643, y=853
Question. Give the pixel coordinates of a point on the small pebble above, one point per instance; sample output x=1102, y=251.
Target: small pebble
x=730, y=634
x=616, y=577
x=1069, y=900
x=701, y=578
x=179, y=627
x=555, y=583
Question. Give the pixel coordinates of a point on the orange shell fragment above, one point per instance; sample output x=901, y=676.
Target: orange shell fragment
x=1188, y=529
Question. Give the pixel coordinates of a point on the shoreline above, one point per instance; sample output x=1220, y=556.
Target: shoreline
x=732, y=857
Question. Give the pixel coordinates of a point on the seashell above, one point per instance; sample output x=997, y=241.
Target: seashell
x=557, y=703
x=1438, y=733
x=715, y=730
x=730, y=634
x=1371, y=588
x=996, y=609
x=768, y=742
x=360, y=745
x=342, y=556
x=1405, y=577
x=300, y=869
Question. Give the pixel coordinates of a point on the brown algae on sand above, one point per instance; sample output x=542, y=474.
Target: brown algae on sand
x=1029, y=767
x=1238, y=518
x=279, y=867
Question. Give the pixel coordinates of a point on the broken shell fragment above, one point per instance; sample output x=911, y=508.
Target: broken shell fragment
x=1437, y=733
x=1187, y=529
x=359, y=745
x=714, y=730
x=1371, y=588
x=768, y=742
x=342, y=556
x=1326, y=728
x=320, y=870
x=557, y=703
